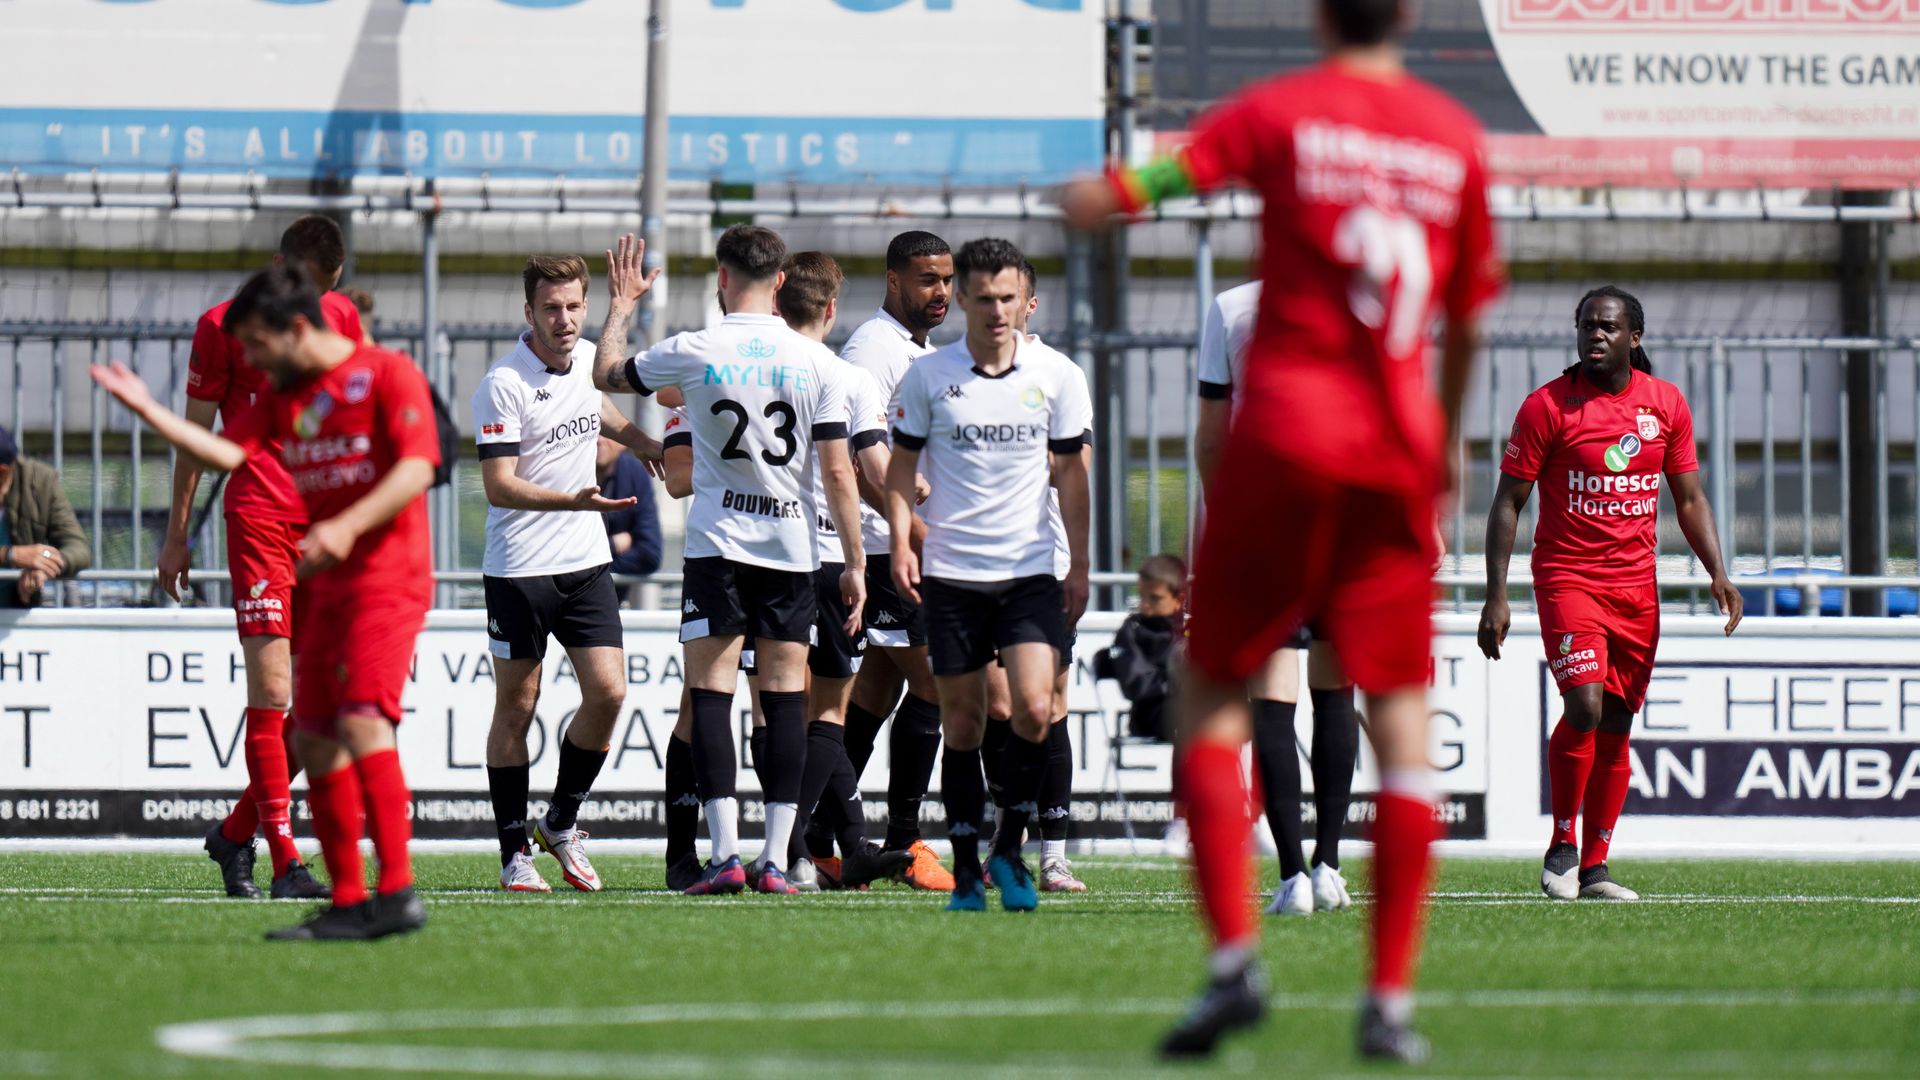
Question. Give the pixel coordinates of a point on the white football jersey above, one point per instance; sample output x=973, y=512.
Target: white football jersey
x=1062, y=554
x=866, y=425
x=884, y=349
x=984, y=446
x=1224, y=339
x=550, y=422
x=758, y=396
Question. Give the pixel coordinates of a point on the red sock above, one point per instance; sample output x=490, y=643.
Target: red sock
x=335, y=800
x=1569, y=757
x=1403, y=832
x=1606, y=794
x=1218, y=824
x=389, y=805
x=267, y=765
x=244, y=819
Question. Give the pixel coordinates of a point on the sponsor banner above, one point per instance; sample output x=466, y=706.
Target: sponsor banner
x=1703, y=163
x=759, y=90
x=1793, y=738
x=133, y=722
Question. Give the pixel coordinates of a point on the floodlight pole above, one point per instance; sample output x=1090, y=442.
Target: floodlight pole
x=653, y=184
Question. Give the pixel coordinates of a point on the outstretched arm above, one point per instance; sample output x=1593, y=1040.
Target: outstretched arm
x=627, y=282
x=1696, y=522
x=210, y=450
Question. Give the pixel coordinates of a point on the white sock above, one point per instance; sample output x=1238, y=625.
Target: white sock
x=780, y=817
x=1396, y=1006
x=723, y=828
x=1051, y=850
x=1228, y=960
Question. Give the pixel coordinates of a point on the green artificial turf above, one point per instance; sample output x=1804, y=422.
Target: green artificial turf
x=1728, y=969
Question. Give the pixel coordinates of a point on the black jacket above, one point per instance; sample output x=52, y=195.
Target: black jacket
x=1137, y=660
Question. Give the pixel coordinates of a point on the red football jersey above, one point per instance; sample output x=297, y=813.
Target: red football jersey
x=338, y=435
x=218, y=371
x=1375, y=215
x=1596, y=460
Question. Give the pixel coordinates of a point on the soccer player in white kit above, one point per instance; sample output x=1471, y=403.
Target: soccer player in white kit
x=763, y=400
x=993, y=419
x=537, y=419
x=1275, y=690
x=919, y=288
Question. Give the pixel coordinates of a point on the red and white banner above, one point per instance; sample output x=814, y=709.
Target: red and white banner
x=1712, y=93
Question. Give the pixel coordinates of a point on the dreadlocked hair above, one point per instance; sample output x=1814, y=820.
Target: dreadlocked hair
x=1636, y=321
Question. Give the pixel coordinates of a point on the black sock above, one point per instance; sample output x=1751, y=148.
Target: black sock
x=508, y=785
x=843, y=809
x=683, y=806
x=1025, y=762
x=1336, y=747
x=1056, y=784
x=1276, y=755
x=993, y=758
x=757, y=750
x=714, y=767
x=914, y=745
x=579, y=767
x=786, y=713
x=965, y=791
x=826, y=749
x=862, y=728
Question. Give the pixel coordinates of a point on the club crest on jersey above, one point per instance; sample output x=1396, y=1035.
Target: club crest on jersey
x=754, y=350
x=1033, y=398
x=307, y=424
x=1649, y=426
x=359, y=385
x=1566, y=644
x=258, y=588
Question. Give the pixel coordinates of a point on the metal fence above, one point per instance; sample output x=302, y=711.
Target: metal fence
x=1807, y=437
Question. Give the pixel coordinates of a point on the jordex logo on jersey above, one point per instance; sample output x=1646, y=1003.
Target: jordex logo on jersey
x=572, y=429
x=997, y=436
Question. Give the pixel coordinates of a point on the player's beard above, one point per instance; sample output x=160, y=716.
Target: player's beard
x=923, y=318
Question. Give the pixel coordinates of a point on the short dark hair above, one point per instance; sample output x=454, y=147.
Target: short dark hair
x=553, y=268
x=315, y=239
x=362, y=300
x=1168, y=570
x=986, y=256
x=753, y=250
x=1362, y=22
x=274, y=296
x=908, y=246
x=1032, y=277
x=813, y=281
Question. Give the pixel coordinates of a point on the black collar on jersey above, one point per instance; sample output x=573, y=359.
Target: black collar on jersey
x=1011, y=368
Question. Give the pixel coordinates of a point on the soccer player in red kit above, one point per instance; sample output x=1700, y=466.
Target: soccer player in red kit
x=1375, y=215
x=355, y=427
x=1597, y=440
x=264, y=522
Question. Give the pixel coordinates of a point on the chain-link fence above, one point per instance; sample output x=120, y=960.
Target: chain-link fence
x=1787, y=320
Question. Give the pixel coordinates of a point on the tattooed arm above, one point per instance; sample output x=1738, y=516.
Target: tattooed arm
x=627, y=282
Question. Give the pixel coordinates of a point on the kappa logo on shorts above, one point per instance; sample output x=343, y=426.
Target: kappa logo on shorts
x=493, y=627
x=359, y=385
x=258, y=588
x=1566, y=644
x=689, y=608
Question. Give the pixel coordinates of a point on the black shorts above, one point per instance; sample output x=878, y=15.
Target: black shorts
x=722, y=598
x=834, y=655
x=580, y=609
x=968, y=622
x=892, y=621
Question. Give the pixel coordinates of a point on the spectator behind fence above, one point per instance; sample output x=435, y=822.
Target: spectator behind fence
x=635, y=531
x=363, y=303
x=39, y=534
x=1143, y=645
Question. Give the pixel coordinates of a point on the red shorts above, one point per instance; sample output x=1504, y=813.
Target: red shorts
x=1284, y=546
x=1601, y=635
x=356, y=651
x=261, y=554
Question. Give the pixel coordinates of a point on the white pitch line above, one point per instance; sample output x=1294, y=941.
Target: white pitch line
x=271, y=1039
